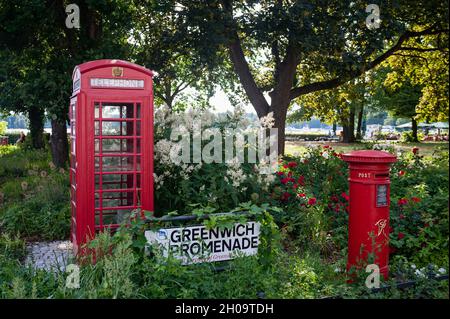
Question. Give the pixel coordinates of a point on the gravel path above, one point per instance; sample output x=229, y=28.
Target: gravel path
x=51, y=256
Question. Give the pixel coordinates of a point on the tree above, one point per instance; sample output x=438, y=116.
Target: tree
x=45, y=55
x=287, y=49
x=339, y=105
x=414, y=83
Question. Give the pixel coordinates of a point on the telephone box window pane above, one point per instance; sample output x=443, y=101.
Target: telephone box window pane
x=138, y=145
x=73, y=177
x=138, y=198
x=73, y=146
x=117, y=110
x=97, y=164
x=116, y=146
x=116, y=216
x=117, y=199
x=117, y=128
x=138, y=110
x=96, y=110
x=138, y=128
x=97, y=128
x=138, y=163
x=111, y=163
x=138, y=180
x=97, y=200
x=115, y=181
x=97, y=146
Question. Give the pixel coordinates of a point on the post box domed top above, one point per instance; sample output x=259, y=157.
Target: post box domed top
x=369, y=156
x=91, y=65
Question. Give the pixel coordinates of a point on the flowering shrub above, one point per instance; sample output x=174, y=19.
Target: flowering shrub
x=419, y=209
x=312, y=190
x=222, y=185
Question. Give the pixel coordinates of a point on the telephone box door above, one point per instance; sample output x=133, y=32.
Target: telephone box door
x=122, y=164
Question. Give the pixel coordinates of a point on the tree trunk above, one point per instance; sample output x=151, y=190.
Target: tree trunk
x=36, y=118
x=414, y=130
x=334, y=128
x=279, y=114
x=59, y=144
x=348, y=128
x=359, y=126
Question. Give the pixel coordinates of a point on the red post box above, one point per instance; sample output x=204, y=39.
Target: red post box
x=368, y=231
x=111, y=156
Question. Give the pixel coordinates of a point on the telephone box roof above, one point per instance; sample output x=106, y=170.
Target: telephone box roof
x=91, y=65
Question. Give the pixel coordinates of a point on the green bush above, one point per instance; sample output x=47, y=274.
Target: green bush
x=12, y=247
x=44, y=212
x=407, y=137
x=34, y=196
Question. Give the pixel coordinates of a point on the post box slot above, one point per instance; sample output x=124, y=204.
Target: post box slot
x=383, y=175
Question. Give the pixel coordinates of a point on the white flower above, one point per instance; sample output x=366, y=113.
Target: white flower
x=413, y=266
x=325, y=155
x=442, y=270
x=267, y=121
x=337, y=269
x=419, y=273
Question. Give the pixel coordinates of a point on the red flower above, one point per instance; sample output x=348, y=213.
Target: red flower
x=334, y=198
x=301, y=180
x=280, y=173
x=292, y=164
x=285, y=196
x=400, y=235
x=301, y=195
x=415, y=199
x=305, y=161
x=345, y=196
x=286, y=180
x=402, y=201
x=285, y=166
x=295, y=186
x=402, y=216
x=326, y=146
x=401, y=173
x=426, y=225
x=312, y=201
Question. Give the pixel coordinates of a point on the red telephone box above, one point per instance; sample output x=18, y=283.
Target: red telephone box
x=111, y=155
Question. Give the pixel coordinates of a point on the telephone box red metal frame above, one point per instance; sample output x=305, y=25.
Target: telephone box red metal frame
x=110, y=174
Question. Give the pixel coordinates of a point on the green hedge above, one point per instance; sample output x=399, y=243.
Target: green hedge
x=307, y=137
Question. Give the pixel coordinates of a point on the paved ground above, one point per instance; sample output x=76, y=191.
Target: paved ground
x=54, y=255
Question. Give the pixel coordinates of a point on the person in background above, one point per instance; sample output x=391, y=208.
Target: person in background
x=21, y=138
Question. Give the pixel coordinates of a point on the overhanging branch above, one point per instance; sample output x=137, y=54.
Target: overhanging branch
x=335, y=82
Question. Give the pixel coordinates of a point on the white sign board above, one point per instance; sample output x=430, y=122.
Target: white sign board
x=197, y=244
x=116, y=83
